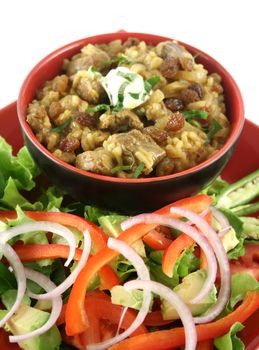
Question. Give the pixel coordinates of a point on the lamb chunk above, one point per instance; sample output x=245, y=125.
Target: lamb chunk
x=142, y=146
x=98, y=161
x=90, y=90
x=169, y=67
x=130, y=42
x=60, y=83
x=165, y=167
x=55, y=109
x=90, y=56
x=171, y=49
x=38, y=117
x=121, y=121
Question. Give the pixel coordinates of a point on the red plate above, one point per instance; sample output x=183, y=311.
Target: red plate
x=244, y=161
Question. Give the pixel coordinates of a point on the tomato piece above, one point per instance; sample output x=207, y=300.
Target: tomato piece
x=168, y=339
x=248, y=263
x=159, y=238
x=4, y=341
x=104, y=318
x=76, y=320
x=155, y=318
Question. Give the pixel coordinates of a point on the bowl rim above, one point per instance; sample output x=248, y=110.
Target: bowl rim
x=234, y=135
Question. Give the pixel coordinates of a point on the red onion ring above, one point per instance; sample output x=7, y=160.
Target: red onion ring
x=143, y=273
x=174, y=299
x=57, y=291
x=18, y=268
x=190, y=231
x=42, y=226
x=222, y=258
x=48, y=285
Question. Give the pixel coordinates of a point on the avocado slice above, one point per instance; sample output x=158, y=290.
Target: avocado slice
x=111, y=225
x=27, y=319
x=121, y=296
x=187, y=290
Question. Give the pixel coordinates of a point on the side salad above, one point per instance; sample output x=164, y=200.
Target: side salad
x=74, y=276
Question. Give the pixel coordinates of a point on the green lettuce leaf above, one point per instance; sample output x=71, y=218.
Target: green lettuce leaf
x=52, y=199
x=185, y=264
x=7, y=279
x=9, y=297
x=241, y=283
x=12, y=197
x=215, y=187
x=21, y=168
x=237, y=225
x=230, y=341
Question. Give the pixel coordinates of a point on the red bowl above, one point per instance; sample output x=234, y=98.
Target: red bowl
x=126, y=195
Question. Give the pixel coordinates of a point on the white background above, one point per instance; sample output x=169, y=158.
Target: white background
x=228, y=30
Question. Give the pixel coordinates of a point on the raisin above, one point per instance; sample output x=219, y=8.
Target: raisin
x=176, y=122
x=197, y=88
x=69, y=144
x=158, y=135
x=174, y=104
x=189, y=96
x=86, y=119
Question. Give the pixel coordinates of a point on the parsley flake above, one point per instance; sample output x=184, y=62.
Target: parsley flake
x=62, y=126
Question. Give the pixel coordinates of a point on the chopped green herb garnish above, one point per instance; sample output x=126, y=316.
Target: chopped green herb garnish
x=118, y=168
x=138, y=170
x=128, y=76
x=98, y=108
x=93, y=69
x=122, y=59
x=195, y=113
x=150, y=83
x=134, y=95
x=62, y=126
x=215, y=128
x=119, y=105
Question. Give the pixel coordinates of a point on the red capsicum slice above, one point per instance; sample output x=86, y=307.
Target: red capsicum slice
x=168, y=339
x=33, y=252
x=205, y=345
x=99, y=238
x=108, y=277
x=176, y=247
x=76, y=319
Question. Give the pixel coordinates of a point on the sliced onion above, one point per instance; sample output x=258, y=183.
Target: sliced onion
x=42, y=226
x=48, y=285
x=18, y=268
x=175, y=300
x=143, y=273
x=57, y=291
x=222, y=261
x=190, y=231
x=220, y=217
